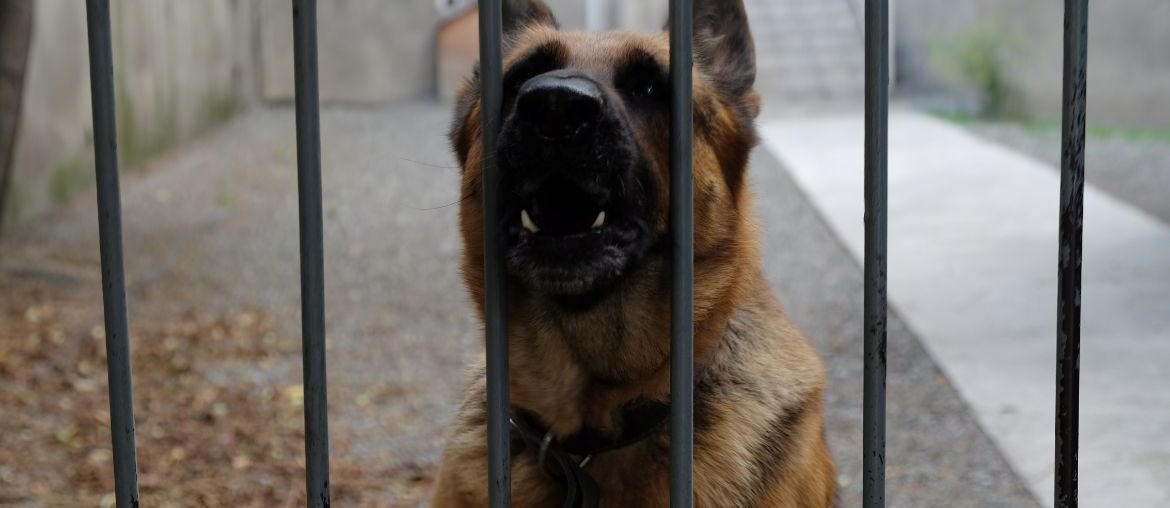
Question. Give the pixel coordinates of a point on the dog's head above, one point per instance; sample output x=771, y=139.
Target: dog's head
x=584, y=151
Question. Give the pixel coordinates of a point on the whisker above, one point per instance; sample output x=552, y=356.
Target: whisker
x=428, y=164
x=461, y=200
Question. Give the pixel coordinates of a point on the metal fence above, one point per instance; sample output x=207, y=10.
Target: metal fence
x=682, y=368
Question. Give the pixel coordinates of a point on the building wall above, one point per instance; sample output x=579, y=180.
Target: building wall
x=182, y=66
x=370, y=52
x=647, y=16
x=1129, y=72
x=458, y=39
x=15, y=35
x=179, y=67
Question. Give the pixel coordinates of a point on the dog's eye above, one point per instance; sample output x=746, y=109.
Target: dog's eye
x=642, y=93
x=642, y=81
x=539, y=62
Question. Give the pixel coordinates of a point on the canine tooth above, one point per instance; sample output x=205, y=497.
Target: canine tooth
x=526, y=221
x=600, y=220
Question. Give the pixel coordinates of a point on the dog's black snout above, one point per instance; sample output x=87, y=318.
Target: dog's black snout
x=558, y=106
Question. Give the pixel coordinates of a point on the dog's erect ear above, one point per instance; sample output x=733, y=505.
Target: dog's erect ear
x=723, y=44
x=519, y=14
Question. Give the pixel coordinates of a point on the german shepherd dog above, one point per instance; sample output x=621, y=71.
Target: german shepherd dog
x=584, y=160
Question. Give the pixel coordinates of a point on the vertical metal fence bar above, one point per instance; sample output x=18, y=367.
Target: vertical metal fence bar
x=491, y=82
x=1072, y=211
x=312, y=252
x=877, y=77
x=105, y=147
x=682, y=353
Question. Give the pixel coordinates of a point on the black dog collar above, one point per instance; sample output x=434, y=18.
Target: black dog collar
x=566, y=458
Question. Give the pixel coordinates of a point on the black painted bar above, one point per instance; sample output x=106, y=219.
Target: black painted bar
x=682, y=352
x=1072, y=213
x=877, y=78
x=495, y=311
x=105, y=147
x=312, y=252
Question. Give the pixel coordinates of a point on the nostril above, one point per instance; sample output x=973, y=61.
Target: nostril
x=559, y=107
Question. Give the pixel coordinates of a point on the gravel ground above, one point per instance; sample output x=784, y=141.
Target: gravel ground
x=212, y=228
x=1131, y=170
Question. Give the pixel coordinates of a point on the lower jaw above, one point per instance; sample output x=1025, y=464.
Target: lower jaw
x=567, y=287
x=578, y=267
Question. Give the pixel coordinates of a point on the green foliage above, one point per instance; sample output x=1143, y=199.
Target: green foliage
x=13, y=203
x=69, y=177
x=979, y=57
x=1142, y=134
x=1053, y=129
x=136, y=144
x=217, y=109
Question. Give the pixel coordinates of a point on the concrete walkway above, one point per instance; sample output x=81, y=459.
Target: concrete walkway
x=972, y=267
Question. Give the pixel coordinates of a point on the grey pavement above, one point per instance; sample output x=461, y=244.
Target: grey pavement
x=937, y=454
x=1131, y=169
x=811, y=62
x=972, y=267
x=213, y=225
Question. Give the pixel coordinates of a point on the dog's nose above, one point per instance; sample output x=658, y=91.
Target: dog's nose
x=557, y=106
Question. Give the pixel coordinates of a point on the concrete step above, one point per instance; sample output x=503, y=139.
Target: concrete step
x=809, y=53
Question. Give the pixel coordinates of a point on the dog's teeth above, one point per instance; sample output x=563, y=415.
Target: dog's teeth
x=600, y=220
x=526, y=221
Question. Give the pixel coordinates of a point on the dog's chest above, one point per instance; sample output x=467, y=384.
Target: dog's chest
x=628, y=478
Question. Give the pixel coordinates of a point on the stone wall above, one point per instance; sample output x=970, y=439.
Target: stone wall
x=1129, y=71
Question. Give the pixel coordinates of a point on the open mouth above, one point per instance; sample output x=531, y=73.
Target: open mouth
x=560, y=208
x=565, y=239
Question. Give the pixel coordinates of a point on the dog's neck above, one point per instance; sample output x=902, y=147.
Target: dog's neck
x=577, y=367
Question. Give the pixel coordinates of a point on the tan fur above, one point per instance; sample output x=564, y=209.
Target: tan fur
x=759, y=431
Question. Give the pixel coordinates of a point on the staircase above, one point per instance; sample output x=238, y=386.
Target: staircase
x=810, y=54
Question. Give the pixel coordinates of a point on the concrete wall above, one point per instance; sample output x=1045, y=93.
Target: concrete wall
x=570, y=13
x=458, y=44
x=636, y=15
x=15, y=35
x=370, y=51
x=648, y=16
x=369, y=54
x=180, y=66
x=1129, y=71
